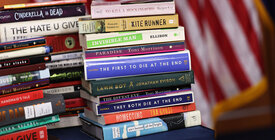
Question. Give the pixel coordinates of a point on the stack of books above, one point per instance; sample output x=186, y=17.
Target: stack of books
x=137, y=72
x=28, y=34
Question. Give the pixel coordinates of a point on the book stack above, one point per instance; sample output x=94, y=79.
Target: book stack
x=28, y=35
x=137, y=72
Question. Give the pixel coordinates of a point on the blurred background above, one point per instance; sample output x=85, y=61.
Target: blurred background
x=233, y=57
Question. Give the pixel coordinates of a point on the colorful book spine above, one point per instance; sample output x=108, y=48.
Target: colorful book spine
x=130, y=10
x=19, y=87
x=42, y=4
x=134, y=83
x=141, y=127
x=63, y=84
x=20, y=98
x=113, y=39
x=38, y=133
x=28, y=124
x=137, y=65
x=134, y=50
x=24, y=61
x=49, y=105
x=137, y=114
x=63, y=89
x=34, y=28
x=19, y=15
x=62, y=64
x=87, y=25
x=66, y=56
x=24, y=77
x=65, y=122
x=180, y=98
x=69, y=74
x=20, y=44
x=35, y=67
x=76, y=102
x=26, y=52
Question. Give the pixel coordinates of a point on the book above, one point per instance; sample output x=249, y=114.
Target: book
x=63, y=75
x=71, y=95
x=63, y=84
x=113, y=98
x=133, y=83
x=133, y=50
x=120, y=9
x=19, y=98
x=22, y=69
x=62, y=64
x=25, y=52
x=49, y=105
x=102, y=40
x=38, y=133
x=23, y=61
x=28, y=124
x=180, y=98
x=65, y=122
x=18, y=15
x=140, y=127
x=66, y=56
x=36, y=28
x=75, y=102
x=62, y=89
x=137, y=114
x=24, y=77
x=137, y=65
x=89, y=25
x=21, y=44
x=24, y=87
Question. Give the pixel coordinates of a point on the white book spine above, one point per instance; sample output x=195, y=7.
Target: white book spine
x=66, y=56
x=78, y=62
x=35, y=28
x=127, y=10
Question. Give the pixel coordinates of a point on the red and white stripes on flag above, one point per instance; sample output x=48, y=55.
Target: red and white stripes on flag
x=224, y=39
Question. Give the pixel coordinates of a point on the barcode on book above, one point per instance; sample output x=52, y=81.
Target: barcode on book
x=116, y=132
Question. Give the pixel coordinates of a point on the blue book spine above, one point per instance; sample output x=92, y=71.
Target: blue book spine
x=22, y=43
x=153, y=102
x=137, y=65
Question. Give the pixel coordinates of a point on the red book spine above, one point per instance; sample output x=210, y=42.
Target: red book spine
x=38, y=133
x=76, y=102
x=64, y=84
x=19, y=98
x=63, y=43
x=14, y=70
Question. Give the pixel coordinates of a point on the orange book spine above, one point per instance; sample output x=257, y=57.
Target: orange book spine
x=146, y=113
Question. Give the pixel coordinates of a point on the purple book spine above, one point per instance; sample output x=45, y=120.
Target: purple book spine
x=41, y=13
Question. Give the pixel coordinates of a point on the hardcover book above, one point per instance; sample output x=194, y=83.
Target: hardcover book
x=137, y=65
x=140, y=127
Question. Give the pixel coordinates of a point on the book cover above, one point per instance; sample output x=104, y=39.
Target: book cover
x=38, y=133
x=88, y=25
x=133, y=83
x=140, y=127
x=137, y=65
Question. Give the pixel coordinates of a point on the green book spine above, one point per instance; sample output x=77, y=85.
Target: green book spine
x=134, y=83
x=28, y=124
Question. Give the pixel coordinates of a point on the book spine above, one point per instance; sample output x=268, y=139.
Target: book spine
x=35, y=67
x=66, y=56
x=24, y=77
x=62, y=75
x=49, y=105
x=65, y=122
x=146, y=103
x=129, y=10
x=127, y=24
x=76, y=102
x=63, y=43
x=61, y=90
x=41, y=13
x=137, y=65
x=38, y=133
x=23, y=61
x=133, y=38
x=23, y=86
x=25, y=52
x=63, y=84
x=19, y=98
x=20, y=44
x=40, y=4
x=62, y=64
x=71, y=95
x=134, y=50
x=28, y=124
x=134, y=83
x=29, y=29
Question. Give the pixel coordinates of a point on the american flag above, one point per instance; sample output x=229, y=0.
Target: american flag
x=224, y=38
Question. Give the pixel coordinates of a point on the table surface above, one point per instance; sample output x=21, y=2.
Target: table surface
x=192, y=133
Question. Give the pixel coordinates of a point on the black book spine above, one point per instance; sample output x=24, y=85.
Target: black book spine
x=63, y=75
